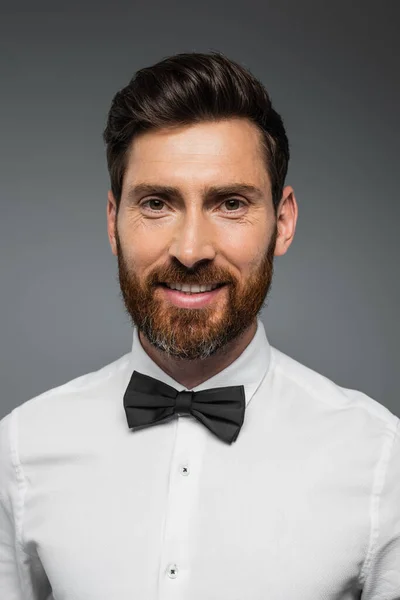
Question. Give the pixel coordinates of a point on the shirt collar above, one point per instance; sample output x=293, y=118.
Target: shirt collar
x=249, y=369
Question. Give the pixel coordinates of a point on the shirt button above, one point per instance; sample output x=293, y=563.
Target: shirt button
x=173, y=571
x=184, y=470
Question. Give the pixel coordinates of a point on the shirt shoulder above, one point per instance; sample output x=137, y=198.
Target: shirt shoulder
x=95, y=384
x=319, y=391
x=71, y=418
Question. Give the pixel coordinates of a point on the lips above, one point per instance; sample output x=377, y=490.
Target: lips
x=190, y=300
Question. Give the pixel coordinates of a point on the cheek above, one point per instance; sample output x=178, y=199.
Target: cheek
x=141, y=245
x=140, y=253
x=246, y=249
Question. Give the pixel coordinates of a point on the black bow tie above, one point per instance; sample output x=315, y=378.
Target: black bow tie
x=148, y=401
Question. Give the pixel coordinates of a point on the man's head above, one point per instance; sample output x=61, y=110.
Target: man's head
x=197, y=158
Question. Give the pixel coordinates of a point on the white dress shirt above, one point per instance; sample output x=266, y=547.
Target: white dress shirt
x=305, y=505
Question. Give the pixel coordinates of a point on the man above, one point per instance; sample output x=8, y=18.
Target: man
x=205, y=464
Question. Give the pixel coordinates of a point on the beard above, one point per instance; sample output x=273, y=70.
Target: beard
x=194, y=333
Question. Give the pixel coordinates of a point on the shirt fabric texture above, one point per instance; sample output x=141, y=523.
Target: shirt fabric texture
x=304, y=505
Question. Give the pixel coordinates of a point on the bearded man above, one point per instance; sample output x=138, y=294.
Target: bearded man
x=204, y=464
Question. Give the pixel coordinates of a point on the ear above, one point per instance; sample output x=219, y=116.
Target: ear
x=112, y=221
x=286, y=221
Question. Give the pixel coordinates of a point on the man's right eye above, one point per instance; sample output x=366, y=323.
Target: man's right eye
x=152, y=200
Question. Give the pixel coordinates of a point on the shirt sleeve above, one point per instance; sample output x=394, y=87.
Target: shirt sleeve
x=382, y=580
x=21, y=575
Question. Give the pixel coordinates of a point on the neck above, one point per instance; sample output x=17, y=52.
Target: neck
x=193, y=373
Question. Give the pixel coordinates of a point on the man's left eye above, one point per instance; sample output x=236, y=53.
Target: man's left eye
x=234, y=200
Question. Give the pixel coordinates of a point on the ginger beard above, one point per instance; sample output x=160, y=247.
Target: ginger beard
x=194, y=333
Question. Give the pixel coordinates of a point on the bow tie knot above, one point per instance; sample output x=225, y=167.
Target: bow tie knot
x=183, y=402
x=148, y=401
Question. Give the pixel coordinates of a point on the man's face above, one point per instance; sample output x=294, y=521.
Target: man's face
x=195, y=234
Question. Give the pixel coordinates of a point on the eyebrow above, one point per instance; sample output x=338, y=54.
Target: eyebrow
x=142, y=189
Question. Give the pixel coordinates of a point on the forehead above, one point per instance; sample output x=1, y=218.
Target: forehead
x=201, y=152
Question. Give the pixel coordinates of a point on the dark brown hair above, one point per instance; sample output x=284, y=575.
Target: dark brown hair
x=190, y=88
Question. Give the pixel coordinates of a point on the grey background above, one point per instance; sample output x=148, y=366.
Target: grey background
x=332, y=69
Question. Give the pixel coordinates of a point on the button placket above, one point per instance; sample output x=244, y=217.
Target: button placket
x=181, y=514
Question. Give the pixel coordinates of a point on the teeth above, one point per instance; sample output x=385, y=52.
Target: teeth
x=193, y=289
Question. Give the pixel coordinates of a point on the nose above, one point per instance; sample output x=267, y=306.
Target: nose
x=193, y=240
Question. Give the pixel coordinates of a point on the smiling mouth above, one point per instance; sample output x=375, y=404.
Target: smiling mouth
x=216, y=287
x=191, y=300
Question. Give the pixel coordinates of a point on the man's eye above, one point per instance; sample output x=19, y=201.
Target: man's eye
x=233, y=200
x=152, y=200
